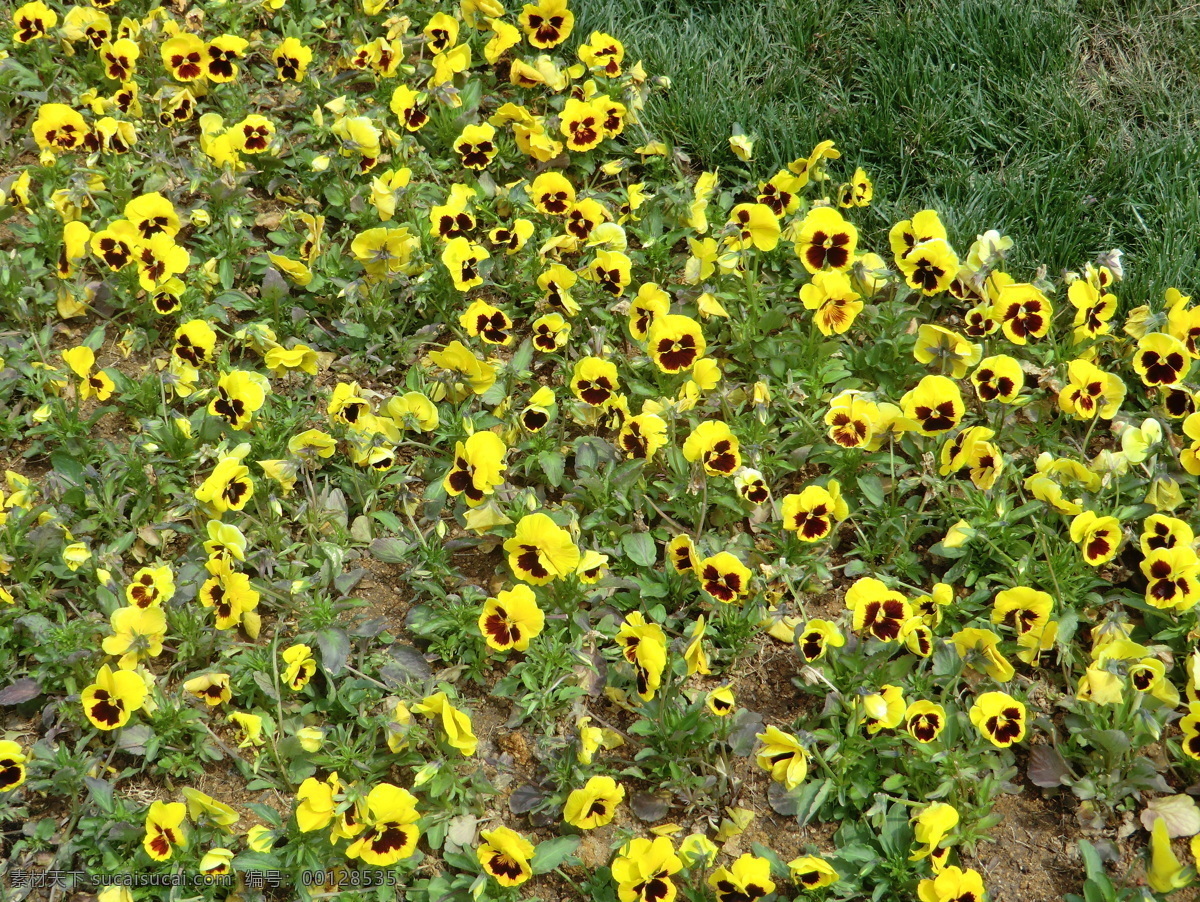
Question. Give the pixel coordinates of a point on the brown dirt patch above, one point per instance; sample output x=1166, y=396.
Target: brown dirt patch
x=385, y=593
x=764, y=681
x=1034, y=857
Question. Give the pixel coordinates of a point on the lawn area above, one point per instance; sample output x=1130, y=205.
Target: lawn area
x=1071, y=124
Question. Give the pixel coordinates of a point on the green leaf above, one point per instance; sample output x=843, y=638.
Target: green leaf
x=743, y=736
x=494, y=395
x=586, y=457
x=101, y=792
x=345, y=582
x=256, y=861
x=650, y=587
x=335, y=648
x=68, y=468
x=554, y=464
x=95, y=339
x=1092, y=863
x=553, y=852
x=522, y=358
x=263, y=682
x=388, y=521
x=640, y=548
x=266, y=813
x=896, y=837
x=1115, y=742
x=423, y=621
x=360, y=528
x=809, y=804
x=461, y=860
x=38, y=626
x=871, y=488
x=225, y=272
x=1019, y=513
x=857, y=853
x=135, y=739
x=834, y=373
x=299, y=770
x=1134, y=512
x=274, y=289
x=391, y=550
x=941, y=550
x=1068, y=623
x=773, y=319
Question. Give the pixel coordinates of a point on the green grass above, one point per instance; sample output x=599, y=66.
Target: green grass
x=1070, y=126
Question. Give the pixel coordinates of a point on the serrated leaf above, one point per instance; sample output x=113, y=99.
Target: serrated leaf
x=256, y=861
x=639, y=547
x=1047, y=767
x=23, y=690
x=360, y=528
x=648, y=807
x=274, y=289
x=747, y=725
x=335, y=648
x=390, y=550
x=1179, y=811
x=1144, y=775
x=461, y=832
x=525, y=798
x=783, y=800
x=872, y=489
x=37, y=625
x=522, y=357
x=263, y=682
x=369, y=629
x=811, y=800
x=345, y=582
x=553, y=852
x=135, y=739
x=411, y=662
x=101, y=792
x=1115, y=742
x=266, y=813
x=554, y=465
